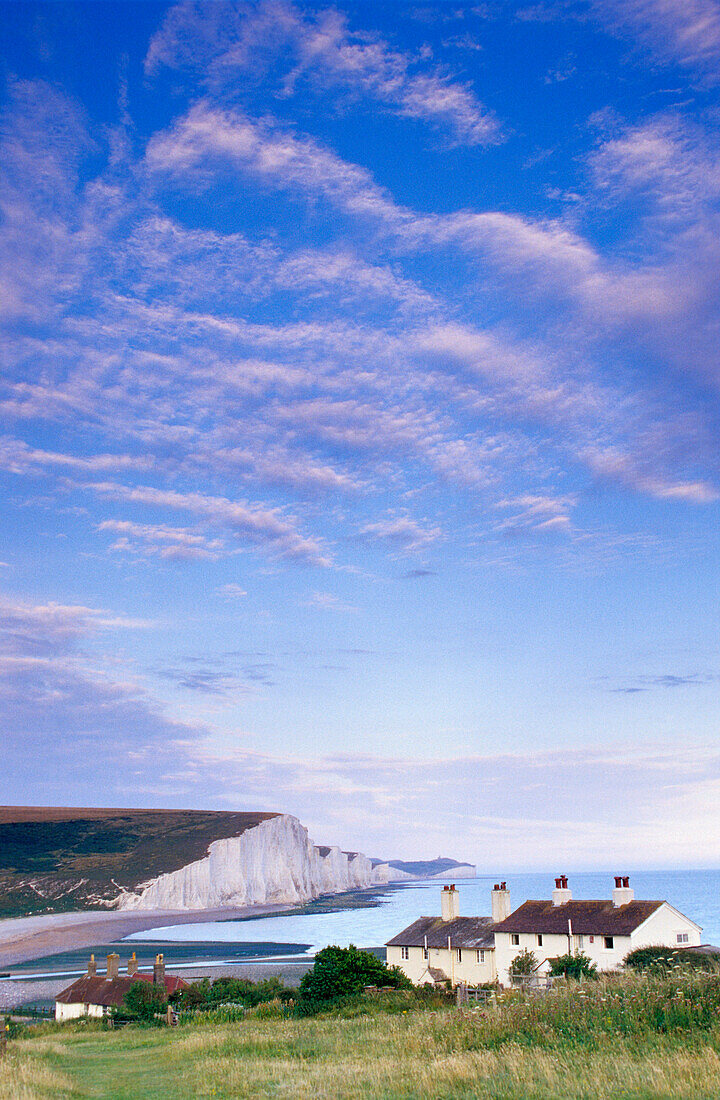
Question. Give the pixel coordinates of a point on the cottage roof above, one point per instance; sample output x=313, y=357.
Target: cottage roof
x=592, y=918
x=470, y=932
x=437, y=974
x=97, y=990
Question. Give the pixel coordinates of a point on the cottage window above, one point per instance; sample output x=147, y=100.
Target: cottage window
x=682, y=937
x=481, y=956
x=459, y=951
x=404, y=952
x=580, y=942
x=515, y=939
x=539, y=941
x=608, y=942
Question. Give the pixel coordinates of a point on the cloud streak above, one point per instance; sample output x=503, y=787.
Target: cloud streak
x=326, y=55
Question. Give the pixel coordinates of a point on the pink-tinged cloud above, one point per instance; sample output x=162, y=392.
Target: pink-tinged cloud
x=264, y=527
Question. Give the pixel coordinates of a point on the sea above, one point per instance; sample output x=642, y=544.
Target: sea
x=370, y=920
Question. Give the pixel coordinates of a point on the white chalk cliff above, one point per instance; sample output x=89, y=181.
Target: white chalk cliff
x=274, y=862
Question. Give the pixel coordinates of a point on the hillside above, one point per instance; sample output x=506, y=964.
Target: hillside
x=54, y=859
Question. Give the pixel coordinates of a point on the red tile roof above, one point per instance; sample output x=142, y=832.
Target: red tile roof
x=96, y=990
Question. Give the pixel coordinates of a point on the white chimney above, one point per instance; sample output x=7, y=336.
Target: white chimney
x=500, y=902
x=561, y=894
x=450, y=907
x=623, y=893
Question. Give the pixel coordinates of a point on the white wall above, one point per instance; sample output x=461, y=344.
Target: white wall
x=73, y=1011
x=467, y=969
x=661, y=929
x=554, y=945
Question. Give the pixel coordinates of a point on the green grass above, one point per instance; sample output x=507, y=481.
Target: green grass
x=631, y=1038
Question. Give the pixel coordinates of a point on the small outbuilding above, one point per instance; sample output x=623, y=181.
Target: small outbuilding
x=97, y=994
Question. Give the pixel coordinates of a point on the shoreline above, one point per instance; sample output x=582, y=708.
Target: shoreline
x=25, y=938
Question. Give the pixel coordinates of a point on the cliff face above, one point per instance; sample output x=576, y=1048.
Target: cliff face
x=61, y=858
x=274, y=862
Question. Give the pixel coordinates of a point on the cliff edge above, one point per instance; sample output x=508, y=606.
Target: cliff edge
x=274, y=862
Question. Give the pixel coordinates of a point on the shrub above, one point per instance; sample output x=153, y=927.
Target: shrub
x=523, y=965
x=340, y=972
x=144, y=1000
x=661, y=960
x=573, y=966
x=206, y=995
x=269, y=1010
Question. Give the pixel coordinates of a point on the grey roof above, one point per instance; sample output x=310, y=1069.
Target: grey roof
x=437, y=974
x=598, y=918
x=471, y=932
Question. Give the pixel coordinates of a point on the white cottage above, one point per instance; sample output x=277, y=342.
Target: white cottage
x=98, y=995
x=445, y=948
x=606, y=931
x=475, y=950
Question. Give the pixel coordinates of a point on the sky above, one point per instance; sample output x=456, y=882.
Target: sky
x=359, y=419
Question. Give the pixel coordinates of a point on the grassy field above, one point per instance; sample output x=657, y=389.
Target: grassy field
x=630, y=1038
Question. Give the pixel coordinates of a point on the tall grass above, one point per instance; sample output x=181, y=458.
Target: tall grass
x=635, y=1038
x=30, y=1078
x=574, y=1013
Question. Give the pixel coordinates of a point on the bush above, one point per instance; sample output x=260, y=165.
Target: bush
x=523, y=965
x=661, y=960
x=340, y=972
x=573, y=966
x=206, y=995
x=269, y=1010
x=144, y=1001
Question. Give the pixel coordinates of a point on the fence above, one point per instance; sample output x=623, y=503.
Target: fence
x=467, y=994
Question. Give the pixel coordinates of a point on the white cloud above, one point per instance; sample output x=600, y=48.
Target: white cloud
x=403, y=533
x=627, y=471
x=324, y=52
x=232, y=591
x=264, y=527
x=388, y=801
x=169, y=543
x=686, y=32
x=51, y=628
x=328, y=601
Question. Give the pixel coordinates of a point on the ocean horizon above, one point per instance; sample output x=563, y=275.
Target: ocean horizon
x=696, y=893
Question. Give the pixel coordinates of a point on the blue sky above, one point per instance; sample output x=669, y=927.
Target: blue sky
x=359, y=419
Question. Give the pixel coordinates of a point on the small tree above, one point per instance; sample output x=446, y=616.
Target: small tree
x=573, y=966
x=145, y=1000
x=343, y=971
x=523, y=965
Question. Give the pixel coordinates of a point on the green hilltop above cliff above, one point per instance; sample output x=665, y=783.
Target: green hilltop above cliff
x=54, y=858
